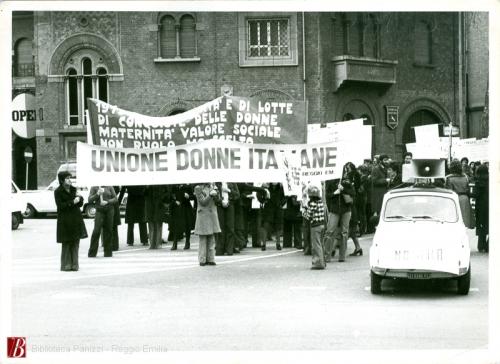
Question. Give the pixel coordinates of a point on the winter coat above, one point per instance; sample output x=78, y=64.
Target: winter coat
x=70, y=225
x=292, y=210
x=460, y=184
x=482, y=204
x=379, y=187
x=207, y=221
x=182, y=215
x=335, y=202
x=135, y=210
x=273, y=208
x=157, y=199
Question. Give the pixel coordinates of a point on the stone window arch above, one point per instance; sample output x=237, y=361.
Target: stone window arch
x=86, y=76
x=23, y=65
x=177, y=37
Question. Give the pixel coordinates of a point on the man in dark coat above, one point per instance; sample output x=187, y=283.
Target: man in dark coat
x=292, y=223
x=482, y=208
x=272, y=215
x=157, y=199
x=135, y=212
x=70, y=225
x=182, y=215
x=226, y=241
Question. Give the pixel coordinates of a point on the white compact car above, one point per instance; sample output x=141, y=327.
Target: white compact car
x=43, y=202
x=420, y=235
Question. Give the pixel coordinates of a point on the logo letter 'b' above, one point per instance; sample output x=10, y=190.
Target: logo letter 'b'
x=16, y=347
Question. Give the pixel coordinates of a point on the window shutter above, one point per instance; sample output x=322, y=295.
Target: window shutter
x=422, y=43
x=187, y=37
x=168, y=41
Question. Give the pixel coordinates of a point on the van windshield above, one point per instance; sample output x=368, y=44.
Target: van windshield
x=425, y=207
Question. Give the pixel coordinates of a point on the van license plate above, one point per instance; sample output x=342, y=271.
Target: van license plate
x=418, y=275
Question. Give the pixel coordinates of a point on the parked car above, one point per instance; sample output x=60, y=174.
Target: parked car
x=17, y=206
x=420, y=235
x=42, y=201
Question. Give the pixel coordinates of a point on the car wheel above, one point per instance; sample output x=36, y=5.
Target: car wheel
x=463, y=283
x=376, y=283
x=90, y=211
x=29, y=212
x=15, y=221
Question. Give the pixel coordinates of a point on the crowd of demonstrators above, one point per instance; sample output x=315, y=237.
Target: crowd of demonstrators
x=70, y=226
x=224, y=215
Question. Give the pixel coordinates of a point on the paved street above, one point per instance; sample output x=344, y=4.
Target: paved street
x=251, y=301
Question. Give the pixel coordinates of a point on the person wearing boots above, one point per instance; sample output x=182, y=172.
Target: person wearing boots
x=292, y=223
x=181, y=215
x=135, y=212
x=226, y=241
x=104, y=198
x=339, y=215
x=272, y=217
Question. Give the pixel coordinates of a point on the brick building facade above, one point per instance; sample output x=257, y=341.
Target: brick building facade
x=345, y=65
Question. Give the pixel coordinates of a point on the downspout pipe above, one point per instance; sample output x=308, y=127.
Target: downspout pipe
x=304, y=65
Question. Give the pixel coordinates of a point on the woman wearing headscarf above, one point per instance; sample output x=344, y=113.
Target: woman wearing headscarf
x=482, y=205
x=70, y=225
x=459, y=182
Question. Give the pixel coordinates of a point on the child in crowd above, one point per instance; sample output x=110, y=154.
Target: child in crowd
x=316, y=217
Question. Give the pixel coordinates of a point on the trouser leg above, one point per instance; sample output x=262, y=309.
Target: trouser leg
x=220, y=237
x=143, y=232
x=306, y=235
x=329, y=239
x=65, y=256
x=317, y=252
x=287, y=233
x=202, y=249
x=94, y=238
x=107, y=233
x=229, y=235
x=75, y=246
x=297, y=234
x=130, y=233
x=342, y=233
x=210, y=248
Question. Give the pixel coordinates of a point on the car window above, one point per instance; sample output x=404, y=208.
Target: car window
x=421, y=207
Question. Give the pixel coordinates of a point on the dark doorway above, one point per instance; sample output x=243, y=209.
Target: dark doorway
x=418, y=118
x=19, y=163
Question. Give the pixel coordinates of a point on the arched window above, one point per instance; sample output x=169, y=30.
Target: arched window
x=72, y=97
x=168, y=37
x=423, y=43
x=86, y=77
x=177, y=37
x=102, y=84
x=23, y=59
x=188, y=37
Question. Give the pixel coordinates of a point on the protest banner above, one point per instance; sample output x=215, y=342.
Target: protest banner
x=205, y=161
x=247, y=120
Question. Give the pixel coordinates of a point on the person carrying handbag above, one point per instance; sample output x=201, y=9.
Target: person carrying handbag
x=339, y=200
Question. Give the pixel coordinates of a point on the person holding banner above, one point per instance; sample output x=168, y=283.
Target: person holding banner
x=135, y=212
x=207, y=222
x=292, y=223
x=70, y=224
x=272, y=214
x=457, y=181
x=227, y=242
x=157, y=198
x=181, y=215
x=339, y=198
x=104, y=198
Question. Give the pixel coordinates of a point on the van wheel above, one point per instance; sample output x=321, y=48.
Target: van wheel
x=463, y=283
x=15, y=221
x=29, y=212
x=90, y=211
x=376, y=283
